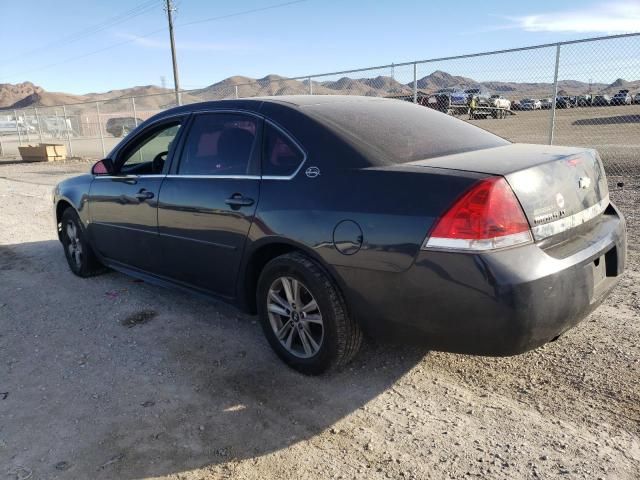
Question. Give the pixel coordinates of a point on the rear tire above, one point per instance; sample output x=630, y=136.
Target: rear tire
x=319, y=319
x=80, y=256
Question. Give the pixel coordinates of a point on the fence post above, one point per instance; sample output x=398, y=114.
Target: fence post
x=552, y=120
x=310, y=87
x=133, y=108
x=15, y=115
x=26, y=126
x=66, y=127
x=415, y=83
x=236, y=89
x=104, y=153
x=38, y=122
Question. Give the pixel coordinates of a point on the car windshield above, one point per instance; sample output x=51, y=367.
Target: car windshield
x=393, y=131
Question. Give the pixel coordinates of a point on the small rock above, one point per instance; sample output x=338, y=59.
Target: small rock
x=62, y=466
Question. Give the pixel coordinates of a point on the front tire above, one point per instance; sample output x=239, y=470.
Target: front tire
x=304, y=316
x=80, y=256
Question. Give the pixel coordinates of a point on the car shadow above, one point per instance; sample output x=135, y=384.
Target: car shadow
x=618, y=119
x=109, y=377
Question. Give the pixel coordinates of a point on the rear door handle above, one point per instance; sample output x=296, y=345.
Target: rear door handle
x=238, y=200
x=144, y=195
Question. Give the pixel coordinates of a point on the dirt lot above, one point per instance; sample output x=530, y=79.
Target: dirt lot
x=112, y=378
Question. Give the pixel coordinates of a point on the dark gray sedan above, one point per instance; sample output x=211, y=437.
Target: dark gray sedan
x=330, y=216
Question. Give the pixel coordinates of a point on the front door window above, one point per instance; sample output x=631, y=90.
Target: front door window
x=149, y=154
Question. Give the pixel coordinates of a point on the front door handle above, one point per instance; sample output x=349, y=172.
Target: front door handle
x=143, y=195
x=238, y=200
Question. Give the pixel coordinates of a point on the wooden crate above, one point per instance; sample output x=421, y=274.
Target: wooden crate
x=44, y=152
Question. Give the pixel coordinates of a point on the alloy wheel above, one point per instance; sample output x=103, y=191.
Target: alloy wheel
x=295, y=317
x=74, y=246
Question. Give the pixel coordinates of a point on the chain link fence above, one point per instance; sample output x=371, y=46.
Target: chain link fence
x=584, y=93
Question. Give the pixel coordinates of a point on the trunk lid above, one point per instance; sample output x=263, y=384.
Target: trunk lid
x=558, y=187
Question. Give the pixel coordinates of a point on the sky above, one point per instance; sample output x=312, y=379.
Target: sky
x=82, y=46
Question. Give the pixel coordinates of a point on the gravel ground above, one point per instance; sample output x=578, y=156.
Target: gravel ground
x=113, y=378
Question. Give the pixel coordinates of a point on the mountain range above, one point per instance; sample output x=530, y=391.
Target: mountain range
x=151, y=97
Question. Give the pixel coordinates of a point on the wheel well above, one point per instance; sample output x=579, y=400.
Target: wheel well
x=60, y=209
x=258, y=260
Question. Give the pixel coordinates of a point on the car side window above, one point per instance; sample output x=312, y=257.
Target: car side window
x=150, y=153
x=220, y=144
x=281, y=156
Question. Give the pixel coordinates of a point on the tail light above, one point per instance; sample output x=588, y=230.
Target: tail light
x=488, y=216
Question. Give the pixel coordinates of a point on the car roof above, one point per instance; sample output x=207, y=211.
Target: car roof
x=293, y=100
x=317, y=120
x=254, y=104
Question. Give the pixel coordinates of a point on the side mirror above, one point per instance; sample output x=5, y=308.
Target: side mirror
x=103, y=167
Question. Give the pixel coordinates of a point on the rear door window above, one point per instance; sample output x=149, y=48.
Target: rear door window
x=221, y=144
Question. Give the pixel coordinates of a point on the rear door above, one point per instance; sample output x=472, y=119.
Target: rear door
x=209, y=199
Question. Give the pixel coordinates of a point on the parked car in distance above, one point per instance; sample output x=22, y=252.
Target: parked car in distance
x=15, y=127
x=636, y=98
x=601, y=100
x=530, y=104
x=566, y=102
x=546, y=103
x=448, y=90
x=441, y=99
x=121, y=126
x=622, y=98
x=326, y=226
x=515, y=105
x=585, y=100
x=462, y=97
x=499, y=101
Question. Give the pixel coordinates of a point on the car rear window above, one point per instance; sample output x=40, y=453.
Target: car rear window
x=396, y=131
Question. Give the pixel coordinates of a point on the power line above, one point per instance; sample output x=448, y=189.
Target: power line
x=88, y=31
x=88, y=54
x=244, y=12
x=148, y=34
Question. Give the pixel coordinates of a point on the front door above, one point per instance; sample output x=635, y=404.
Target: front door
x=208, y=201
x=123, y=206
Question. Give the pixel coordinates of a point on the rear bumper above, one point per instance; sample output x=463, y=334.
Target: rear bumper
x=500, y=303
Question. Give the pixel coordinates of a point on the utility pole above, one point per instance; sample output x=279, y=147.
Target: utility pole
x=176, y=81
